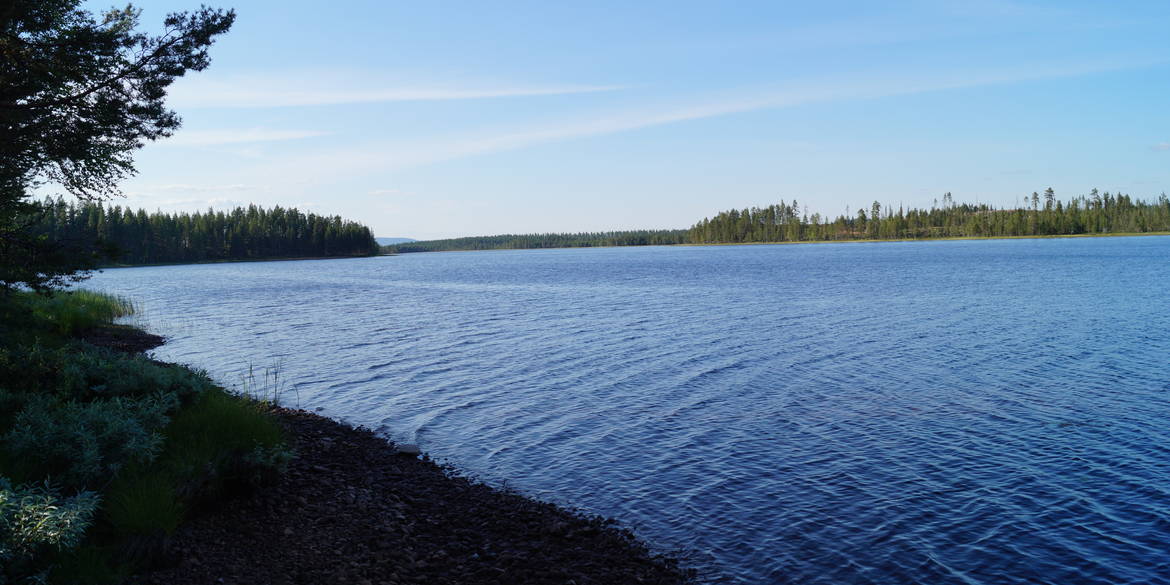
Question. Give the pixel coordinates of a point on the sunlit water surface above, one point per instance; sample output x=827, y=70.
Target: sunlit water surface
x=948, y=412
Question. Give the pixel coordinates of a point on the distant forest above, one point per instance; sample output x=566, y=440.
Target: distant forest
x=137, y=237
x=1044, y=215
x=517, y=242
x=128, y=236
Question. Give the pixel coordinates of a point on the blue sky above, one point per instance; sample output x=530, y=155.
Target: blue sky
x=438, y=119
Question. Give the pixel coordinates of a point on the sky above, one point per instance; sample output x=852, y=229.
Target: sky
x=441, y=119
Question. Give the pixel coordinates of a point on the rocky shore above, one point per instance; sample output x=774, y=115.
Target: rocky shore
x=352, y=510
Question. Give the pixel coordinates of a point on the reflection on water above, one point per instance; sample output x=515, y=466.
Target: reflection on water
x=943, y=412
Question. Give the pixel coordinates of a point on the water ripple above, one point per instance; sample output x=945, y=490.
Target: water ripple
x=936, y=413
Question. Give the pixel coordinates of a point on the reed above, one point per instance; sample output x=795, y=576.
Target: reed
x=75, y=311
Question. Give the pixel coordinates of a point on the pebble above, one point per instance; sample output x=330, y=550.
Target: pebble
x=358, y=523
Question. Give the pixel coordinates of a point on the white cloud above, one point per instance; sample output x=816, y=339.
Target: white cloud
x=400, y=155
x=190, y=188
x=237, y=136
x=189, y=196
x=380, y=192
x=1161, y=146
x=145, y=201
x=306, y=88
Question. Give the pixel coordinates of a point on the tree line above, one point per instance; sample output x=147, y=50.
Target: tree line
x=127, y=236
x=531, y=241
x=1042, y=215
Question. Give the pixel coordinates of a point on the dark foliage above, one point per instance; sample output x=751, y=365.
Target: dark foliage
x=79, y=94
x=103, y=453
x=136, y=237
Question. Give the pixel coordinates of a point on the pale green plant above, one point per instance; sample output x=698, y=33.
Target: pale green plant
x=35, y=519
x=84, y=444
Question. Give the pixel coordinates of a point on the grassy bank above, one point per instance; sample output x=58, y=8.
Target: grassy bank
x=103, y=454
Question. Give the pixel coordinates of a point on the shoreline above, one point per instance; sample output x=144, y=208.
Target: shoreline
x=237, y=261
x=787, y=243
x=946, y=239
x=688, y=245
x=352, y=509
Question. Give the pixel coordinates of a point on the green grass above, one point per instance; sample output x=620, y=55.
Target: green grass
x=143, y=504
x=218, y=445
x=213, y=443
x=69, y=313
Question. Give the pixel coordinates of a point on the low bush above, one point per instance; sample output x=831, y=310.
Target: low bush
x=86, y=373
x=35, y=522
x=80, y=371
x=81, y=445
x=81, y=425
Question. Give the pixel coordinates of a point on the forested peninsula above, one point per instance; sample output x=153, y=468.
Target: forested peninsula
x=120, y=235
x=1043, y=215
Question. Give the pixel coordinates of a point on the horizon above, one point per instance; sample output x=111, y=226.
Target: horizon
x=435, y=122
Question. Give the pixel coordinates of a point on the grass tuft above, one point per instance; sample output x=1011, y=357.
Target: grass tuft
x=217, y=423
x=73, y=312
x=143, y=503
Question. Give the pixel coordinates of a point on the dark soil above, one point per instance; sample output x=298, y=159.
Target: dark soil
x=122, y=338
x=351, y=510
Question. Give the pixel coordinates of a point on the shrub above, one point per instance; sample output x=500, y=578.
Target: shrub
x=36, y=522
x=155, y=439
x=77, y=444
x=32, y=366
x=10, y=404
x=84, y=372
x=87, y=372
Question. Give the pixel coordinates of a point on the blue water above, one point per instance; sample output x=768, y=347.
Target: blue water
x=983, y=412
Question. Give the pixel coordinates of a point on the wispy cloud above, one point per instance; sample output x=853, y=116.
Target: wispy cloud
x=311, y=170
x=190, y=196
x=1161, y=146
x=394, y=156
x=311, y=89
x=145, y=201
x=237, y=136
x=191, y=188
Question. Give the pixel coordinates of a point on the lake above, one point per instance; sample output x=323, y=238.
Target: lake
x=975, y=412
